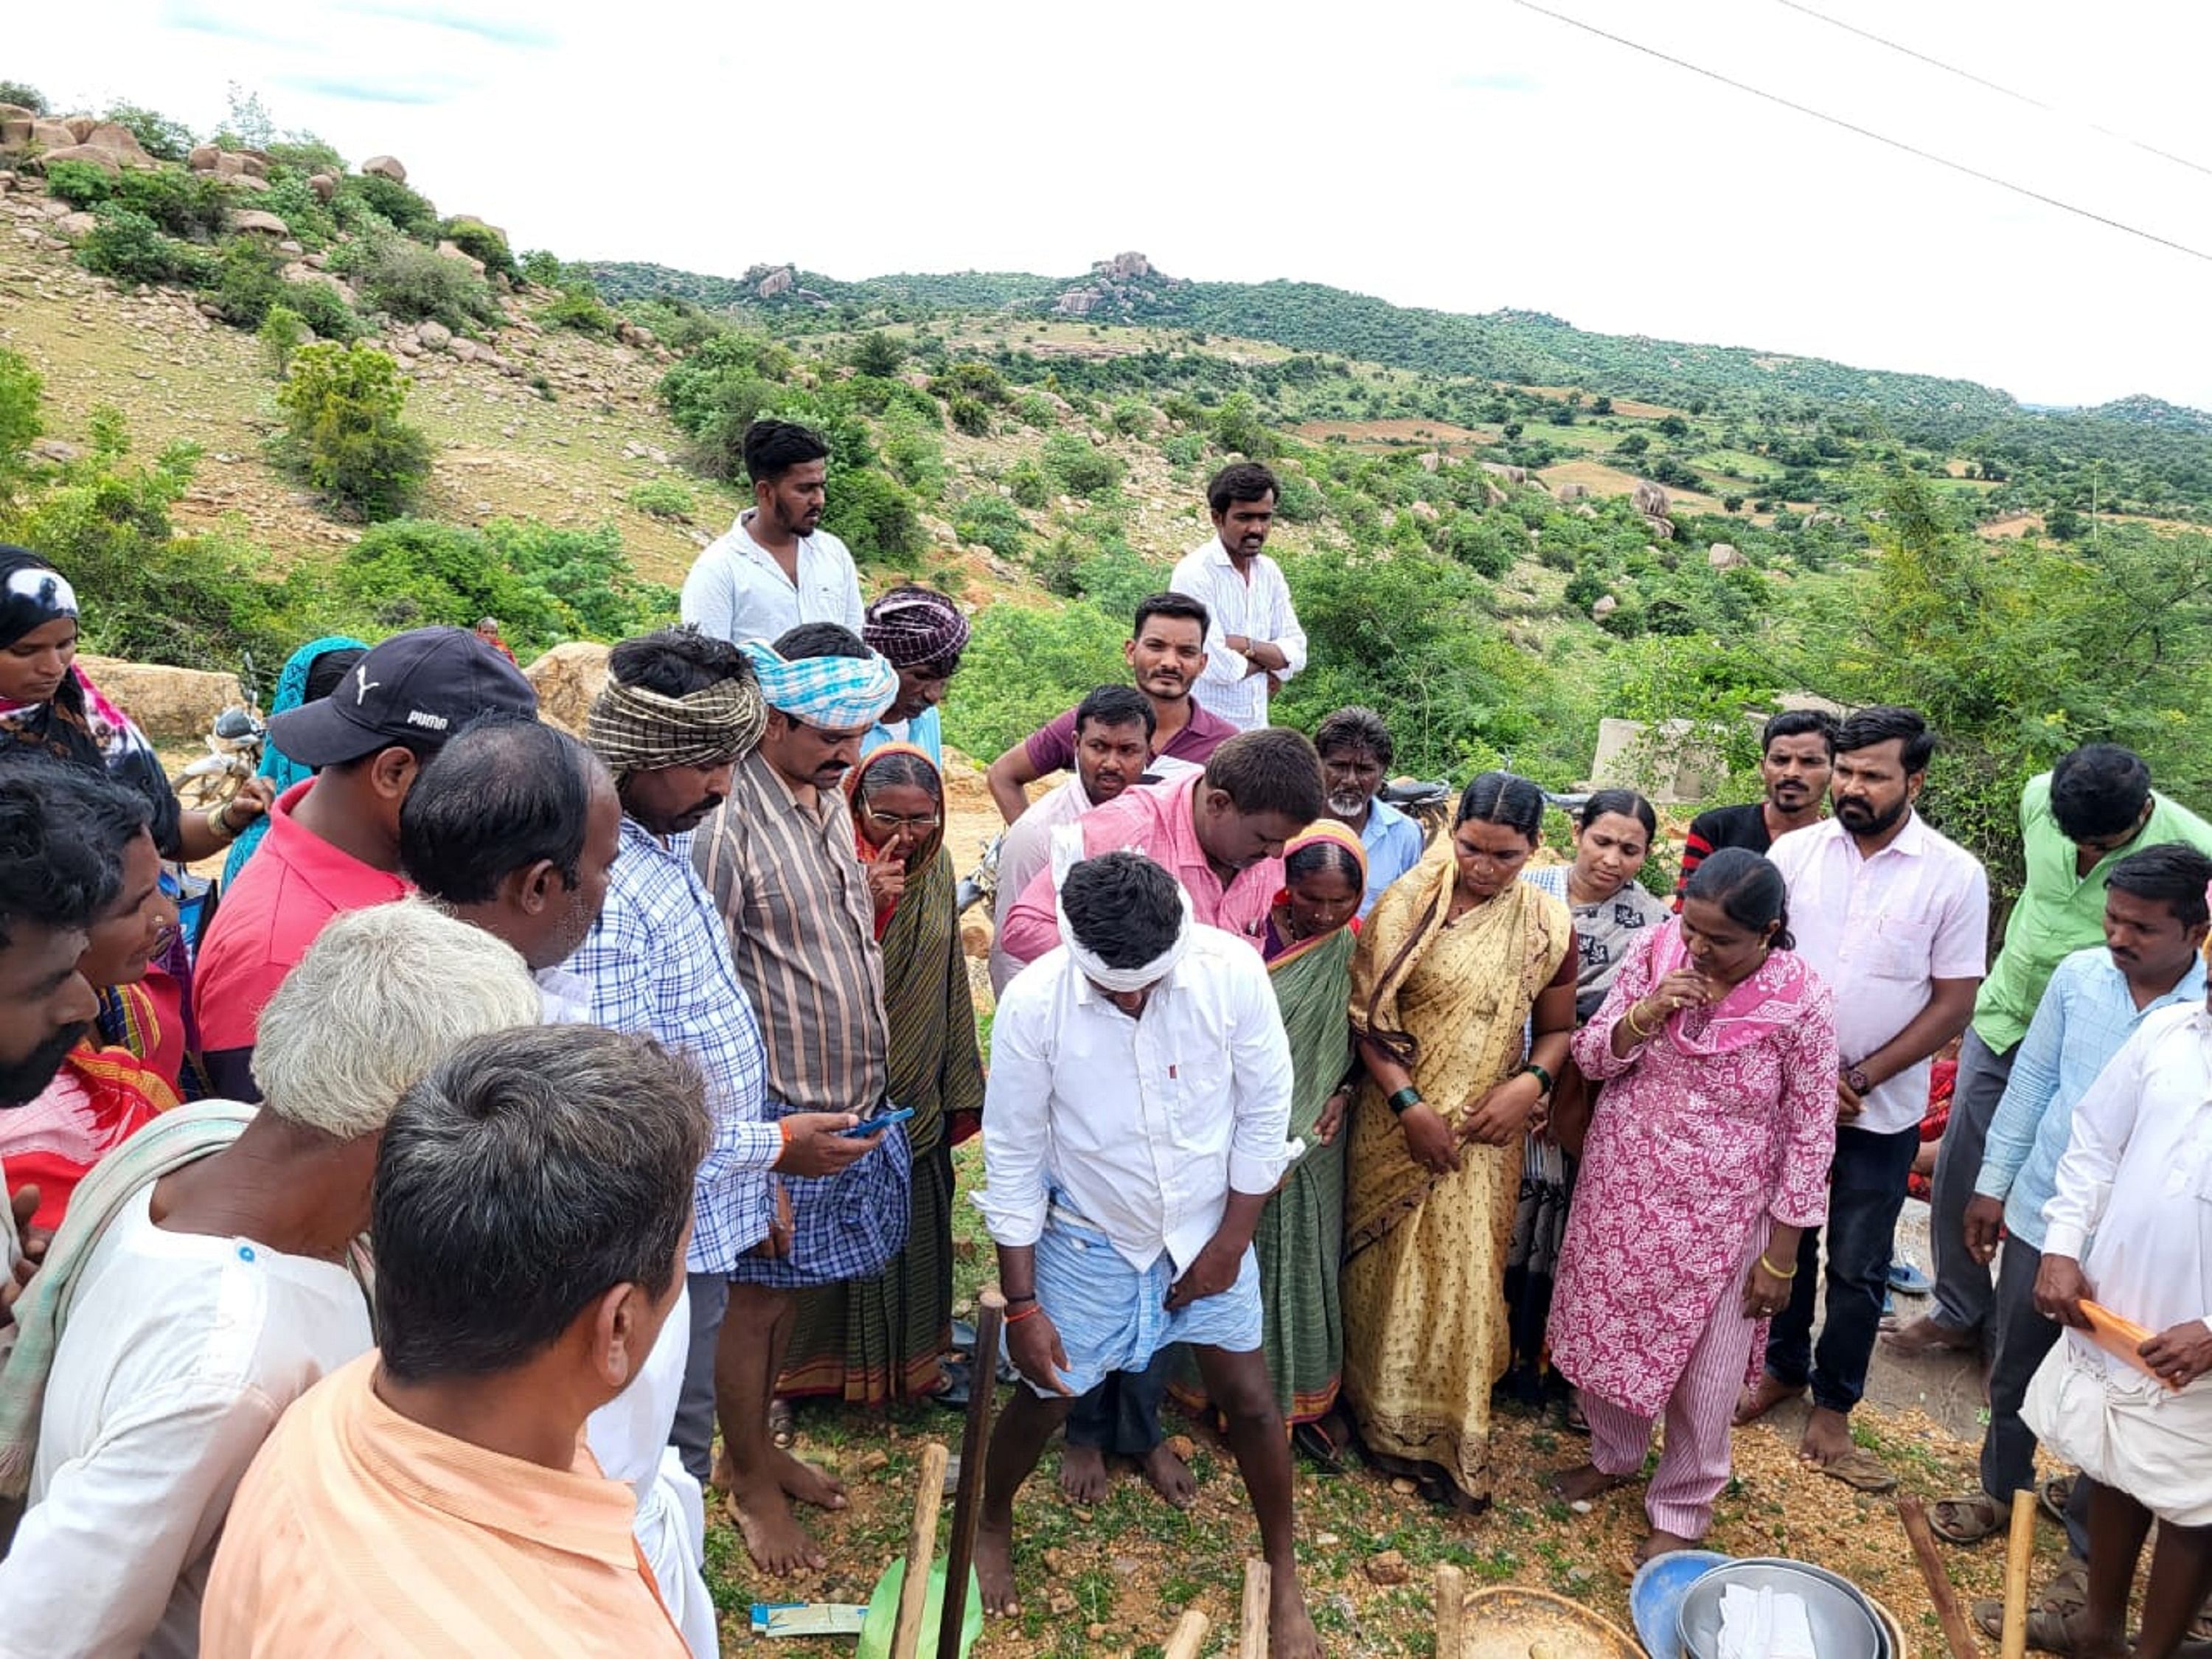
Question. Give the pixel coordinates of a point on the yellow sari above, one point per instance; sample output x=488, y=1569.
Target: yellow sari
x=1425, y=1331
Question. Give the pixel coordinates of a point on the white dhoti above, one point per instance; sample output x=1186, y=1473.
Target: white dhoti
x=2126, y=1429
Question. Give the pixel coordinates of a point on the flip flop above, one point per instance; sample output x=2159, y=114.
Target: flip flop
x=2048, y=1629
x=1861, y=1470
x=1966, y=1520
x=782, y=1431
x=1908, y=1280
x=2051, y=1493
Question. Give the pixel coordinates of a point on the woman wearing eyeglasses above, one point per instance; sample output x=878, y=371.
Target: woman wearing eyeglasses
x=874, y=1340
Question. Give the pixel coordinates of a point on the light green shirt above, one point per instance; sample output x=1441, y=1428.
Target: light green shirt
x=2059, y=911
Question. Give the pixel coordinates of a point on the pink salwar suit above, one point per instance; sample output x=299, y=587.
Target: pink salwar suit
x=1705, y=1136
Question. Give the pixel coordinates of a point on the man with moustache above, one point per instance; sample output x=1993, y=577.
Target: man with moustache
x=1355, y=749
x=1797, y=753
x=921, y=632
x=1894, y=917
x=1166, y=652
x=677, y=711
x=1112, y=738
x=779, y=861
x=1255, y=643
x=777, y=568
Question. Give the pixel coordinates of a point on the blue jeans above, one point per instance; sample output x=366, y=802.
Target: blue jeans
x=1866, y=1191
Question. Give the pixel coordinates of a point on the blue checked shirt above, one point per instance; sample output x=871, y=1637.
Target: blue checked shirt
x=2086, y=1016
x=659, y=962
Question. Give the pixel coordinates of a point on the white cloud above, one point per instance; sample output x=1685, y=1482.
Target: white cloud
x=1463, y=157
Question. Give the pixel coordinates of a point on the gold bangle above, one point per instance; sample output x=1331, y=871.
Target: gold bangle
x=218, y=823
x=1635, y=1029
x=1775, y=1270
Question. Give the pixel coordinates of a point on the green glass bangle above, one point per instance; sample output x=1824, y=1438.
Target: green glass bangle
x=1542, y=1075
x=1404, y=1100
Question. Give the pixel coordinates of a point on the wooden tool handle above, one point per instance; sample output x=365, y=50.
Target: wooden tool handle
x=2019, y=1545
x=1188, y=1637
x=975, y=1452
x=1956, y=1631
x=1451, y=1612
x=1259, y=1586
x=920, y=1548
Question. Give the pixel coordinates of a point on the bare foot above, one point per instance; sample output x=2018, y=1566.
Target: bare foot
x=1928, y=1334
x=1083, y=1474
x=776, y=1543
x=1827, y=1437
x=995, y=1568
x=1663, y=1543
x=806, y=1483
x=1171, y=1477
x=1290, y=1634
x=1585, y=1481
x=1763, y=1396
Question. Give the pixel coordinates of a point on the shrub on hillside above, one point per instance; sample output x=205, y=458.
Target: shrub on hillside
x=19, y=418
x=1030, y=488
x=1035, y=664
x=877, y=353
x=182, y=203
x=302, y=212
x=543, y=267
x=578, y=307
x=323, y=309
x=407, y=211
x=1132, y=416
x=992, y=521
x=80, y=183
x=1238, y=429
x=415, y=284
x=696, y=392
x=481, y=242
x=665, y=498
x=1484, y=545
x=163, y=139
x=282, y=332
x=914, y=455
x=874, y=517
x=304, y=154
x=130, y=247
x=248, y=281
x=1078, y=466
x=978, y=381
x=346, y=432
x=970, y=415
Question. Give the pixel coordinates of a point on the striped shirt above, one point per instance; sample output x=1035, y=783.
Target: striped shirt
x=803, y=934
x=359, y=1534
x=658, y=962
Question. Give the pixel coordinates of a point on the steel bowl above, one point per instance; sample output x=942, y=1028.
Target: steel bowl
x=1844, y=1626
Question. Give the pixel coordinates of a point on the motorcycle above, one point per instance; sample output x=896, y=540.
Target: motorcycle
x=234, y=756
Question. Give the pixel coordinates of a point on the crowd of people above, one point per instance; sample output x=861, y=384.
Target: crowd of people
x=535, y=1121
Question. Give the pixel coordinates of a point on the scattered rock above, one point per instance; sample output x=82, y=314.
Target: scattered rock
x=259, y=221
x=252, y=182
x=56, y=450
x=1650, y=501
x=1423, y=512
x=105, y=159
x=1403, y=1487
x=53, y=135
x=324, y=185
x=1182, y=1446
x=204, y=157
x=1389, y=1568
x=75, y=225
x=1606, y=605
x=1572, y=492
x=386, y=167
x=288, y=245
x=121, y=141
x=1724, y=557
x=434, y=337
x=454, y=250
x=567, y=678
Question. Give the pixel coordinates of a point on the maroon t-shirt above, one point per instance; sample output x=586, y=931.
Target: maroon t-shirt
x=1051, y=748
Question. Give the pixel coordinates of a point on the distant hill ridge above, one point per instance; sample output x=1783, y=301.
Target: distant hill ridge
x=1527, y=348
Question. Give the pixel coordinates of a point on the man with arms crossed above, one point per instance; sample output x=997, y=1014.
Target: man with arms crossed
x=1138, y=1099
x=1255, y=643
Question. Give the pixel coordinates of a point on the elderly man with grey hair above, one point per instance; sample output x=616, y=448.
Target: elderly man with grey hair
x=533, y=1197
x=201, y=1283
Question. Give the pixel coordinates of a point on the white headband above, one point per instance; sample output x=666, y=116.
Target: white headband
x=1125, y=980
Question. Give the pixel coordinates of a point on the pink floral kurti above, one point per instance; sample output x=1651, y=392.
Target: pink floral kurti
x=1723, y=1123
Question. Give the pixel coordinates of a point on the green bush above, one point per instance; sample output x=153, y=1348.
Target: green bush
x=1132, y=415
x=282, y=332
x=874, y=517
x=1078, y=466
x=970, y=415
x=665, y=498
x=696, y=392
x=182, y=203
x=24, y=94
x=20, y=425
x=914, y=454
x=1034, y=665
x=1034, y=409
x=976, y=379
x=80, y=183
x=481, y=242
x=1238, y=431
x=407, y=211
x=1030, y=486
x=249, y=279
x=157, y=134
x=542, y=268
x=346, y=433
x=323, y=309
x=992, y=521
x=416, y=284
x=580, y=308
x=130, y=247
x=305, y=154
x=1485, y=546
x=876, y=353
x=302, y=212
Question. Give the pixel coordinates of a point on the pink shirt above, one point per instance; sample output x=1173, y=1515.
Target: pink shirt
x=1880, y=930
x=1156, y=822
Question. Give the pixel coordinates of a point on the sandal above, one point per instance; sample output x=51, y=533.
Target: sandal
x=2049, y=1630
x=782, y=1431
x=1862, y=1471
x=1967, y=1520
x=2053, y=1494
x=1576, y=1423
x=1315, y=1440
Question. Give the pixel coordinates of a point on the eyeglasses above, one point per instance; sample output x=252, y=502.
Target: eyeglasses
x=897, y=822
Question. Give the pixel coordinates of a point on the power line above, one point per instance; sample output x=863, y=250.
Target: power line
x=2032, y=195
x=2028, y=99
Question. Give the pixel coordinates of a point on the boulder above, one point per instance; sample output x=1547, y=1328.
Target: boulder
x=1722, y=556
x=1572, y=492
x=103, y=159
x=15, y=125
x=434, y=337
x=228, y=164
x=1423, y=512
x=1512, y=475
x=386, y=167
x=259, y=221
x=80, y=126
x=567, y=678
x=204, y=157
x=53, y=135
x=1605, y=606
x=1659, y=528
x=174, y=705
x=324, y=185
x=1650, y=500
x=75, y=225
x=455, y=251
x=1671, y=762
x=1429, y=460
x=115, y=136
x=776, y=282
x=300, y=271
x=253, y=165
x=246, y=181
x=464, y=348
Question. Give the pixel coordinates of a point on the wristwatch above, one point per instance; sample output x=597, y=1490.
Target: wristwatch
x=1859, y=1081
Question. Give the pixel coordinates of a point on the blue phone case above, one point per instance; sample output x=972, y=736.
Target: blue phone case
x=868, y=1126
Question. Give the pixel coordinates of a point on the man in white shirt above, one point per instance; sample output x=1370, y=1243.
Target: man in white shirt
x=1113, y=743
x=775, y=569
x=2128, y=1232
x=204, y=1301
x=1895, y=918
x=1255, y=644
x=1138, y=1099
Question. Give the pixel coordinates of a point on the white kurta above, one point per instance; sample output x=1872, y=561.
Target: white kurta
x=1258, y=609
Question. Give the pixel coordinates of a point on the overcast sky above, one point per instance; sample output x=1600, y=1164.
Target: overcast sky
x=1461, y=155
